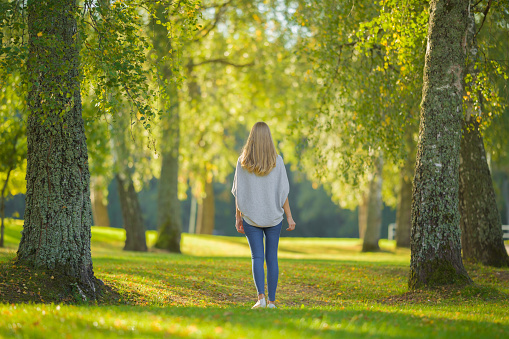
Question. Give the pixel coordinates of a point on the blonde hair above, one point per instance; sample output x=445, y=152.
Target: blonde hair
x=259, y=154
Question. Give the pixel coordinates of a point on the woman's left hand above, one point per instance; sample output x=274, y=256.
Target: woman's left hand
x=239, y=226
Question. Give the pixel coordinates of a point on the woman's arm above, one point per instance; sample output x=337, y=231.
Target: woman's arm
x=238, y=219
x=286, y=208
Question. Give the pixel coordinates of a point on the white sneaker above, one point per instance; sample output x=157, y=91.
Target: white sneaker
x=271, y=305
x=260, y=303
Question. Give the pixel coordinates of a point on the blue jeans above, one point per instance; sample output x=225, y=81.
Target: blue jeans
x=255, y=239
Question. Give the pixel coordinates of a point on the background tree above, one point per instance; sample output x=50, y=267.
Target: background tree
x=481, y=232
x=13, y=151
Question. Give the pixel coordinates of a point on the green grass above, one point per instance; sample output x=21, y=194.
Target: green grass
x=327, y=289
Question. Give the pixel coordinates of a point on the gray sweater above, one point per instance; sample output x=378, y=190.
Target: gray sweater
x=260, y=199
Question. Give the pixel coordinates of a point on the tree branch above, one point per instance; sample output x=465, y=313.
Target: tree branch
x=484, y=18
x=220, y=61
x=212, y=25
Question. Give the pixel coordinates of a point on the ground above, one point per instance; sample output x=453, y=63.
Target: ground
x=327, y=289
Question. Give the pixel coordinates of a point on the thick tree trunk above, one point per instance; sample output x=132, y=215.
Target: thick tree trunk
x=131, y=214
x=168, y=208
x=404, y=210
x=362, y=211
x=435, y=245
x=206, y=212
x=481, y=228
x=58, y=214
x=99, y=208
x=374, y=210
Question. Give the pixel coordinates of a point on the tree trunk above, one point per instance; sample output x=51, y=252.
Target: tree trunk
x=58, y=214
x=169, y=219
x=99, y=208
x=404, y=210
x=435, y=239
x=482, y=238
x=363, y=215
x=2, y=207
x=168, y=208
x=192, y=215
x=505, y=193
x=131, y=214
x=206, y=212
x=374, y=210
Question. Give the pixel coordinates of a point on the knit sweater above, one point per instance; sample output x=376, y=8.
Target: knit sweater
x=260, y=199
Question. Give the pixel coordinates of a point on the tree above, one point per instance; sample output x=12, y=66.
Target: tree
x=374, y=210
x=404, y=209
x=206, y=211
x=481, y=228
x=56, y=232
x=435, y=244
x=14, y=148
x=125, y=169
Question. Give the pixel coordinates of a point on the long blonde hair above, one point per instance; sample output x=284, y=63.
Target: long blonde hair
x=259, y=154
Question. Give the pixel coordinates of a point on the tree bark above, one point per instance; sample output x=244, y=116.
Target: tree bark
x=435, y=238
x=482, y=238
x=206, y=212
x=168, y=208
x=404, y=210
x=131, y=214
x=99, y=208
x=374, y=210
x=58, y=215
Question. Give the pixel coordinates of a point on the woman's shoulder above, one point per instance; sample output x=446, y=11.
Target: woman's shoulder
x=280, y=159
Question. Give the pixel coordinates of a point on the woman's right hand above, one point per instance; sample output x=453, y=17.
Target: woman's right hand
x=291, y=224
x=239, y=225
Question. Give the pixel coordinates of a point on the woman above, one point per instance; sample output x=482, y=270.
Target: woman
x=261, y=188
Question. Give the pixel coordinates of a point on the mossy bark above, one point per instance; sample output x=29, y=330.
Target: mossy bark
x=481, y=228
x=374, y=210
x=168, y=205
x=206, y=211
x=435, y=237
x=58, y=214
x=404, y=209
x=99, y=207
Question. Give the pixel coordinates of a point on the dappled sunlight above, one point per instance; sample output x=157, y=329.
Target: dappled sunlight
x=327, y=288
x=295, y=248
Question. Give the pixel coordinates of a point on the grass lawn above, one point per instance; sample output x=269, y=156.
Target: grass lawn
x=327, y=289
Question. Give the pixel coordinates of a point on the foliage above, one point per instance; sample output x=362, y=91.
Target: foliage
x=12, y=139
x=321, y=294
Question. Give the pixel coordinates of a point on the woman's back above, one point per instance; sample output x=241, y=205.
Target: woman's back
x=261, y=198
